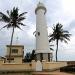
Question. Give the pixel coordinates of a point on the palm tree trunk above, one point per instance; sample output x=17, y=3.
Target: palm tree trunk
x=11, y=45
x=56, y=50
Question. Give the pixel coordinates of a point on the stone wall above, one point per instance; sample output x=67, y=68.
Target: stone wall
x=16, y=73
x=53, y=65
x=28, y=68
x=71, y=62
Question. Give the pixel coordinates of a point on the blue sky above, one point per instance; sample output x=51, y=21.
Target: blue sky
x=62, y=11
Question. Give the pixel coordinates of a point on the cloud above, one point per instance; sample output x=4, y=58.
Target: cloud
x=61, y=11
x=72, y=25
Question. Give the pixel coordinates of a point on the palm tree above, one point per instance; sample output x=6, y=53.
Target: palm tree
x=59, y=34
x=13, y=20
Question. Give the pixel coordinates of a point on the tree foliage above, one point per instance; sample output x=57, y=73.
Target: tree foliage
x=30, y=56
x=13, y=20
x=59, y=34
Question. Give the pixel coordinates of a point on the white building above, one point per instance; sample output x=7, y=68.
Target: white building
x=43, y=51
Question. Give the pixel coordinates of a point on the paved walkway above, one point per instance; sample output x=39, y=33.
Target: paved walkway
x=51, y=73
x=61, y=73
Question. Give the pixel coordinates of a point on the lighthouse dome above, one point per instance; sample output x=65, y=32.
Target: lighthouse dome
x=40, y=6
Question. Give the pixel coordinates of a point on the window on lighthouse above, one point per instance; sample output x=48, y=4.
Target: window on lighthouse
x=38, y=33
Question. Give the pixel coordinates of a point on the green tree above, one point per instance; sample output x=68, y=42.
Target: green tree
x=13, y=20
x=27, y=57
x=33, y=55
x=30, y=56
x=59, y=34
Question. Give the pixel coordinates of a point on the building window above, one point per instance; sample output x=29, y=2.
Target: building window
x=10, y=58
x=14, y=50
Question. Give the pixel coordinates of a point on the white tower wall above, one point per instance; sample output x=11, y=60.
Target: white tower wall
x=42, y=43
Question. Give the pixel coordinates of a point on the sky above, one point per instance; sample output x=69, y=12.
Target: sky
x=62, y=11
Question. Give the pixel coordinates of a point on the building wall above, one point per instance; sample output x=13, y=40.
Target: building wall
x=18, y=60
x=1, y=61
x=53, y=65
x=44, y=57
x=31, y=66
x=16, y=73
x=38, y=56
x=15, y=67
x=17, y=53
x=20, y=50
x=27, y=68
x=71, y=62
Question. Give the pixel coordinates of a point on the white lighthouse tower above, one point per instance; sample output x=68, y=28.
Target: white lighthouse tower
x=42, y=44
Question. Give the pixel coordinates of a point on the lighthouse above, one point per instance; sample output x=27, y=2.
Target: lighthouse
x=42, y=44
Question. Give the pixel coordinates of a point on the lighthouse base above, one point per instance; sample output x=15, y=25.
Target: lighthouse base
x=44, y=56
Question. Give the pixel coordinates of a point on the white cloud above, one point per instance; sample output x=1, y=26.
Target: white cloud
x=68, y=6
x=57, y=11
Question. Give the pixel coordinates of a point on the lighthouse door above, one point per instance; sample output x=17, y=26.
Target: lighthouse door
x=38, y=66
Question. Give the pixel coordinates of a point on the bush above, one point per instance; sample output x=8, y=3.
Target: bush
x=70, y=68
